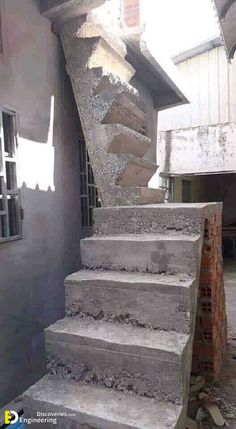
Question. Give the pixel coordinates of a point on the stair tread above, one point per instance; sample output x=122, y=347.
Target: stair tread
x=177, y=280
x=111, y=336
x=124, y=140
x=109, y=80
x=100, y=407
x=143, y=237
x=100, y=40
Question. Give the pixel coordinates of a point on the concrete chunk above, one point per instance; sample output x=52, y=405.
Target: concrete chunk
x=143, y=253
x=97, y=408
x=119, y=356
x=156, y=301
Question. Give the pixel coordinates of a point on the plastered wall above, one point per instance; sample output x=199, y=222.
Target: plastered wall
x=34, y=84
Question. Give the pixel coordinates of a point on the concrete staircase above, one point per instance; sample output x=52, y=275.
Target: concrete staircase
x=121, y=357
x=111, y=112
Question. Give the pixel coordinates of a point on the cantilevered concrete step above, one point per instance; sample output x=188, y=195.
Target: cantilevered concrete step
x=170, y=218
x=94, y=52
x=120, y=195
x=110, y=83
x=143, y=253
x=156, y=301
x=86, y=27
x=97, y=408
x=119, y=356
x=124, y=111
x=123, y=140
x=134, y=171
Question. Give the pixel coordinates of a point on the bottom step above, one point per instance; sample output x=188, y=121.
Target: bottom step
x=96, y=408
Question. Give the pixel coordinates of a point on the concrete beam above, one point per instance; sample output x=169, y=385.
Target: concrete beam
x=200, y=150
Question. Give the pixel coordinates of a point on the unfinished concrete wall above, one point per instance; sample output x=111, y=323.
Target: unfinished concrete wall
x=34, y=84
x=208, y=149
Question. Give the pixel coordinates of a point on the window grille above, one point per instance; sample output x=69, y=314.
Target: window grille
x=88, y=189
x=9, y=193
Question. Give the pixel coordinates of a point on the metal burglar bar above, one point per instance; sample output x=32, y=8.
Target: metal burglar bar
x=88, y=189
x=9, y=193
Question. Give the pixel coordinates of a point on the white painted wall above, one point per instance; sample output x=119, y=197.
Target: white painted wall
x=211, y=89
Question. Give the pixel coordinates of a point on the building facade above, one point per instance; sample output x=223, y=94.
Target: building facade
x=196, y=142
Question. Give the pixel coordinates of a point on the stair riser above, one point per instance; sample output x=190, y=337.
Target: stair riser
x=164, y=307
x=171, y=256
x=154, y=378
x=119, y=114
x=120, y=196
x=158, y=219
x=135, y=175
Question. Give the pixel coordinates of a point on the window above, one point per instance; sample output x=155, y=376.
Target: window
x=88, y=189
x=9, y=194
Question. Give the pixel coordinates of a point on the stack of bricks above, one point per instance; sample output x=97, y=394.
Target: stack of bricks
x=131, y=13
x=210, y=341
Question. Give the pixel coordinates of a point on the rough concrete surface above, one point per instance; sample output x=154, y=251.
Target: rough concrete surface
x=159, y=302
x=175, y=218
x=143, y=253
x=99, y=408
x=119, y=356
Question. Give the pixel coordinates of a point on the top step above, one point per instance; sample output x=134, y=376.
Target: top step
x=168, y=219
x=94, y=52
x=86, y=26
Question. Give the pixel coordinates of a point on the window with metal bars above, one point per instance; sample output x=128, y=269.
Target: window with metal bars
x=10, y=228
x=88, y=189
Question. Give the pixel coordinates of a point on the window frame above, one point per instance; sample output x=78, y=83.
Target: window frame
x=14, y=192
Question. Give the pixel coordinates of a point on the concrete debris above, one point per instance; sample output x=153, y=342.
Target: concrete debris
x=215, y=414
x=206, y=409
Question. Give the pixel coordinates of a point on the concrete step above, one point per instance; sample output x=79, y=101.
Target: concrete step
x=120, y=195
x=123, y=140
x=116, y=355
x=156, y=301
x=143, y=253
x=124, y=111
x=112, y=84
x=133, y=171
x=91, y=407
x=94, y=52
x=171, y=218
